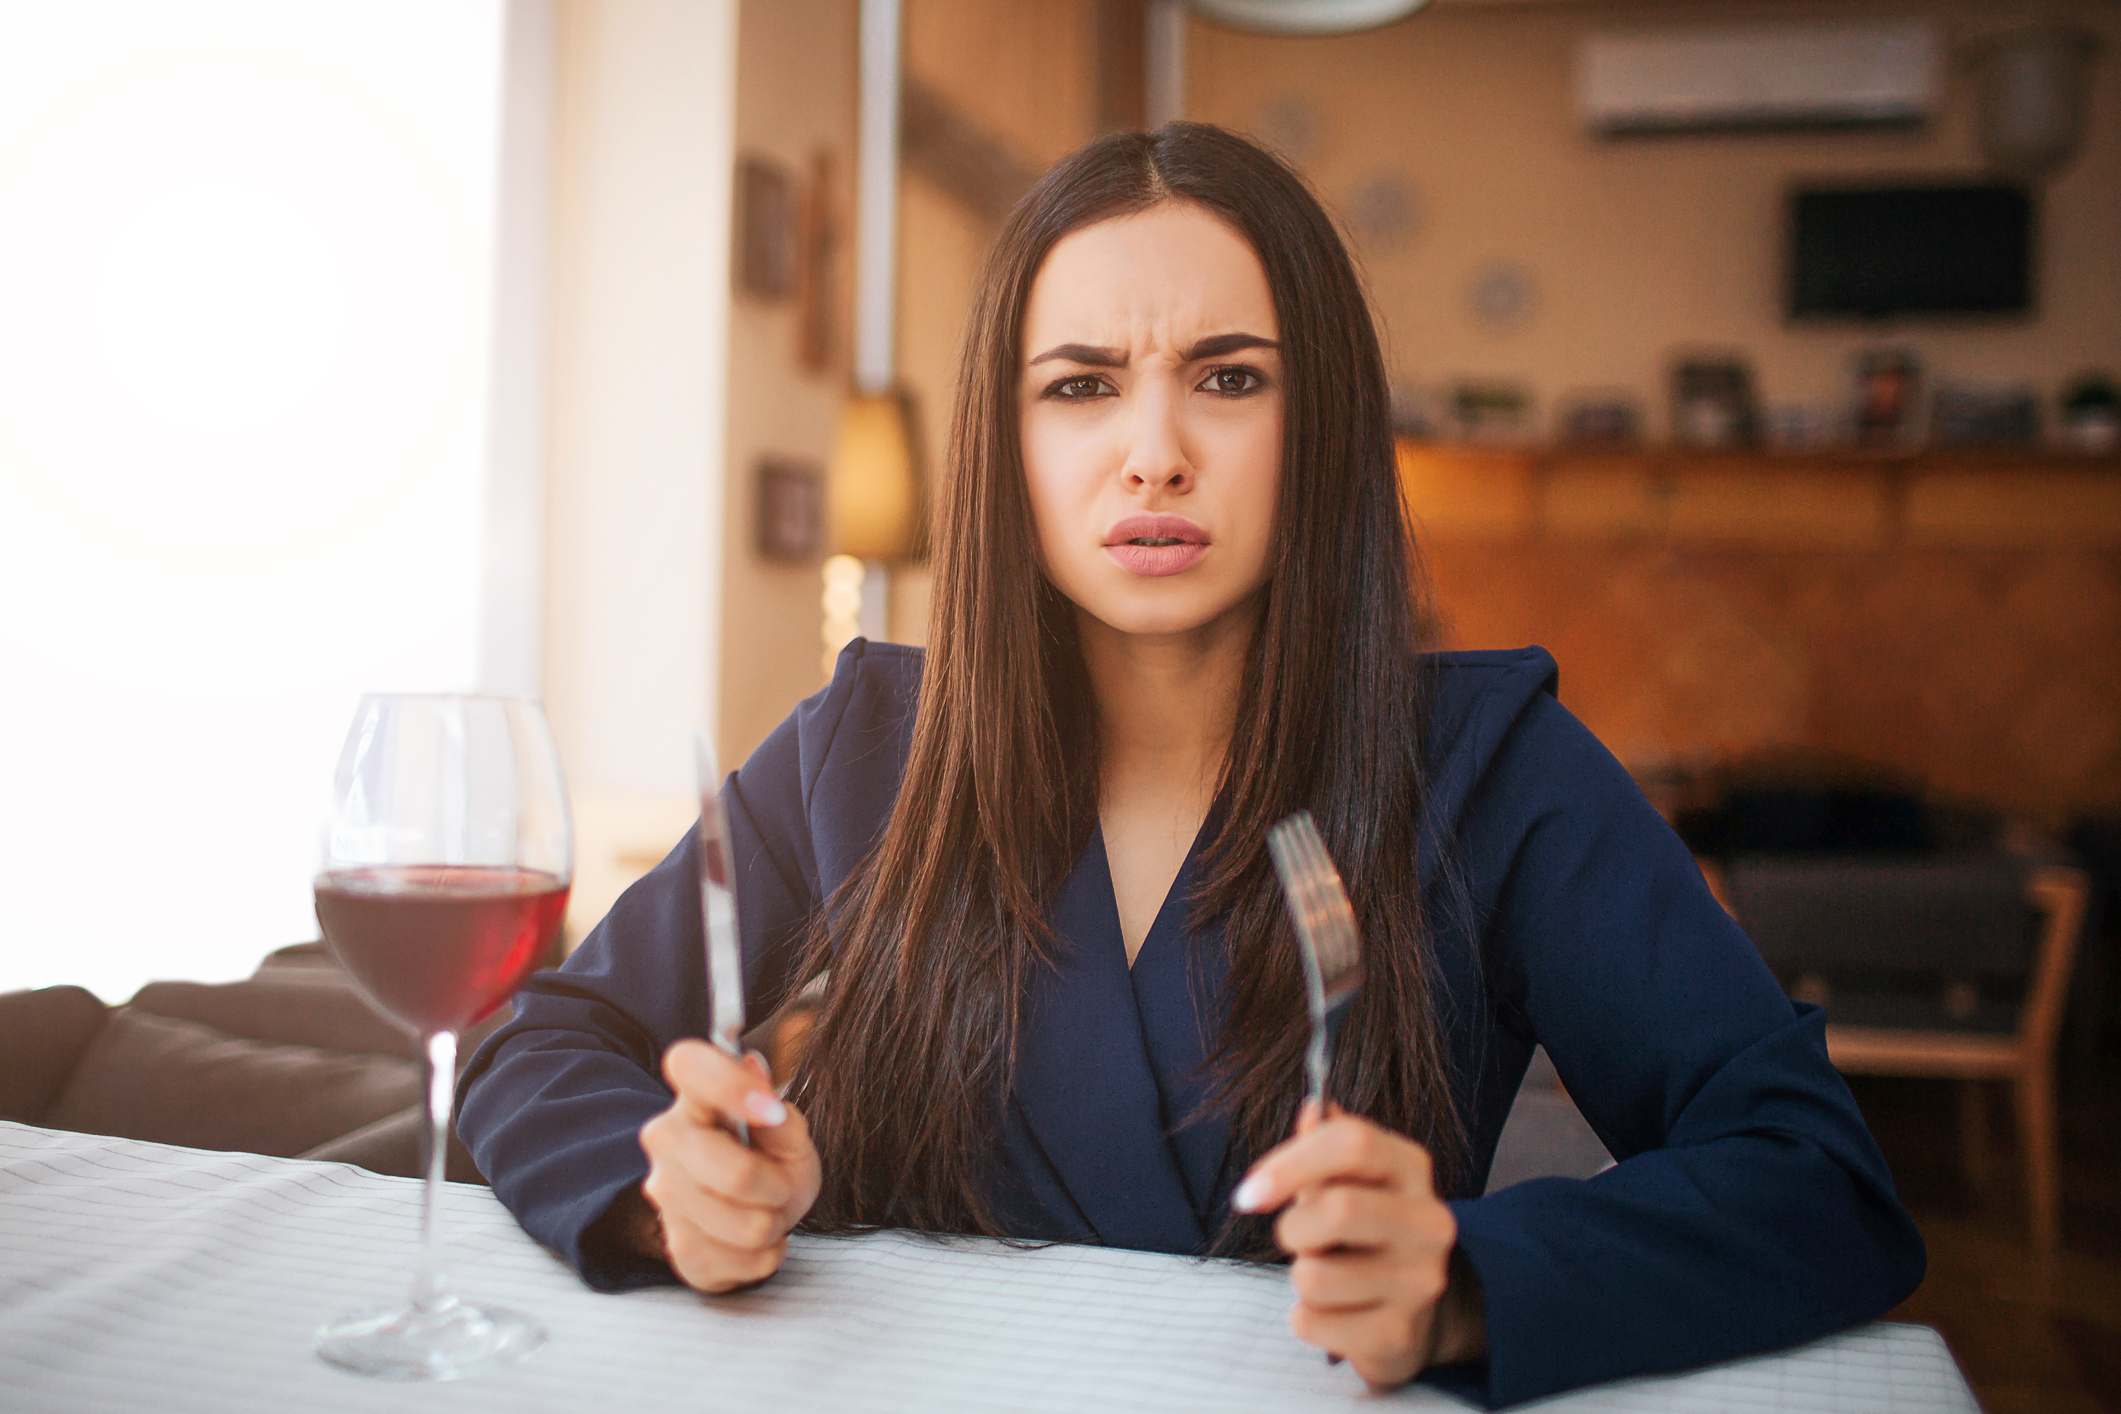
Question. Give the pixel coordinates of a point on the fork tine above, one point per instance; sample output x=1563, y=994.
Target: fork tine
x=1303, y=856
x=1315, y=850
x=1339, y=949
x=1303, y=845
x=1327, y=941
x=1320, y=900
x=1326, y=878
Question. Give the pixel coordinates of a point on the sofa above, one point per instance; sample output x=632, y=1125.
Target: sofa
x=291, y=1062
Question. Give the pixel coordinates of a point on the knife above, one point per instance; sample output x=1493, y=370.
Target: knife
x=725, y=966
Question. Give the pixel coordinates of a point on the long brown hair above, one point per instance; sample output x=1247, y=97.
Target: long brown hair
x=929, y=941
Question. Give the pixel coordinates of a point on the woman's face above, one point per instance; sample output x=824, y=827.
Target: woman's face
x=1151, y=415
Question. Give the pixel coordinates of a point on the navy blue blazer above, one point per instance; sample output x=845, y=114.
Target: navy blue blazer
x=1749, y=1209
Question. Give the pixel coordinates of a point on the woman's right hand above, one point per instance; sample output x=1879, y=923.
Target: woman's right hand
x=725, y=1210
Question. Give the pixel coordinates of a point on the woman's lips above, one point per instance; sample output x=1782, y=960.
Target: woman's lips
x=1156, y=559
x=1156, y=545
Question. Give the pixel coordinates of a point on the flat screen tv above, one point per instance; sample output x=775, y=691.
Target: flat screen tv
x=1874, y=252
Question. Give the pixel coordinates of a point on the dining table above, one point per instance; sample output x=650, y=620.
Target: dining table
x=138, y=1276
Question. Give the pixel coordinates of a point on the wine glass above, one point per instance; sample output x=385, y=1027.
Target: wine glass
x=447, y=858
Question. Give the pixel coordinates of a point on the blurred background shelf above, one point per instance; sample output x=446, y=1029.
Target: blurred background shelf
x=1848, y=499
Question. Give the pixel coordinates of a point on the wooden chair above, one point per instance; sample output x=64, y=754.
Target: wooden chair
x=1905, y=955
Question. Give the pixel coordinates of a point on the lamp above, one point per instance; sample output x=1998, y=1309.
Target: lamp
x=873, y=515
x=873, y=489
x=1308, y=16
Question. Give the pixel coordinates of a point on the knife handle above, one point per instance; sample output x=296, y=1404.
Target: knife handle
x=740, y=1126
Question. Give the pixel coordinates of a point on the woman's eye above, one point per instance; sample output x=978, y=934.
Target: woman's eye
x=1084, y=386
x=1233, y=381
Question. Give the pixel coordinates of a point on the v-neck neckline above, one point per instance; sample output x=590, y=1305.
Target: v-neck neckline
x=1162, y=921
x=1088, y=1082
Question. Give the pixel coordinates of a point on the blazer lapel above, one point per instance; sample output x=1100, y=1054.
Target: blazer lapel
x=1178, y=991
x=1084, y=1081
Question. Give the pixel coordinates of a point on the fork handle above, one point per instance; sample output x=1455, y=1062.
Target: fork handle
x=1315, y=1069
x=1319, y=1048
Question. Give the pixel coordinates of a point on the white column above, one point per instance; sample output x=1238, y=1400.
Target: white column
x=646, y=140
x=876, y=248
x=511, y=609
x=876, y=198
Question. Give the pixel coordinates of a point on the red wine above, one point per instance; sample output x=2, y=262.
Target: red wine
x=438, y=946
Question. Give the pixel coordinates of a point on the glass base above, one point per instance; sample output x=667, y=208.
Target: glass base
x=446, y=1341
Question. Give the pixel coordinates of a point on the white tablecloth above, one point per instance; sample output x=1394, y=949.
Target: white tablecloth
x=139, y=1276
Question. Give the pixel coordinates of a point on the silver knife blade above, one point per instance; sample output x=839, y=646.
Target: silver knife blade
x=725, y=965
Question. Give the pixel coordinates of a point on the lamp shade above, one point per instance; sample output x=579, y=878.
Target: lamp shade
x=873, y=490
x=1308, y=16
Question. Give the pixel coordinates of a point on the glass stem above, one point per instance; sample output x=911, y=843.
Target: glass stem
x=430, y=1289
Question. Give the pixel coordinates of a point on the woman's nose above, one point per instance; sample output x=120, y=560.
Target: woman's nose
x=1156, y=454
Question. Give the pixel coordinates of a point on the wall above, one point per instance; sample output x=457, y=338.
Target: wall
x=796, y=85
x=1639, y=246
x=644, y=130
x=1026, y=73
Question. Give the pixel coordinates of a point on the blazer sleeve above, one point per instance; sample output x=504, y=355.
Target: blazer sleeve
x=552, y=1104
x=1749, y=1209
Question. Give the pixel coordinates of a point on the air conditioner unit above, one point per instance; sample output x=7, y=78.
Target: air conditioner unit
x=1786, y=76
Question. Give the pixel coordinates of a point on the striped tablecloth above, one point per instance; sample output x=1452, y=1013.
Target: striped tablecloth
x=139, y=1276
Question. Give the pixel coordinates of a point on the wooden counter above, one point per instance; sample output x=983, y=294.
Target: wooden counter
x=1844, y=499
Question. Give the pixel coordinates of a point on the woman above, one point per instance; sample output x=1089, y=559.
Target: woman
x=1060, y=1001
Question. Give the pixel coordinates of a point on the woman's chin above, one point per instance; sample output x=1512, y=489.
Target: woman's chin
x=1163, y=614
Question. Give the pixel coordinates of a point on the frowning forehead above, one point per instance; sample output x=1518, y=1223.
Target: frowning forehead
x=1172, y=282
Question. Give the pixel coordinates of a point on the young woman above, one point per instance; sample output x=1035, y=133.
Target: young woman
x=1060, y=1000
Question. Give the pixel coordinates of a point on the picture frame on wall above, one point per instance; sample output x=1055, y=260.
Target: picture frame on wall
x=765, y=229
x=791, y=508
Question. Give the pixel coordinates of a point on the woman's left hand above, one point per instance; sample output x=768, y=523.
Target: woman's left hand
x=1371, y=1241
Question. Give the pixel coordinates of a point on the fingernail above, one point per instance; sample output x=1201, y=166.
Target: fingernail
x=1251, y=1193
x=764, y=1108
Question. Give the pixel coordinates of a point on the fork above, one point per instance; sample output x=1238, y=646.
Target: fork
x=1325, y=935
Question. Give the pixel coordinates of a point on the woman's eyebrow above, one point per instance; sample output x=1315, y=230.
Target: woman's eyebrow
x=1086, y=354
x=1214, y=346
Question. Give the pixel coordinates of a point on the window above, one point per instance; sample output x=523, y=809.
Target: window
x=247, y=259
